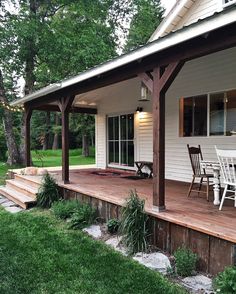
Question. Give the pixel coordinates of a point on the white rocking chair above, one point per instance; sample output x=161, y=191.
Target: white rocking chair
x=227, y=161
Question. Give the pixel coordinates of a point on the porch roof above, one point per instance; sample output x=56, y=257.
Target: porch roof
x=136, y=57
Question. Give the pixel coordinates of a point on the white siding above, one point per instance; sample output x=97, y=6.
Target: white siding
x=211, y=73
x=100, y=123
x=199, y=10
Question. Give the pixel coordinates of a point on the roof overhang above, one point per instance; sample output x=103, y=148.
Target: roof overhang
x=165, y=47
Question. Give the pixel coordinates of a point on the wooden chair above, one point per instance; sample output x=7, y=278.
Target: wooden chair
x=227, y=161
x=195, y=155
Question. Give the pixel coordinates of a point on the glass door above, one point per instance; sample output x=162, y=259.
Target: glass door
x=121, y=140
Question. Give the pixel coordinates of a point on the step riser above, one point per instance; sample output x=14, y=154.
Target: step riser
x=19, y=189
x=26, y=181
x=10, y=197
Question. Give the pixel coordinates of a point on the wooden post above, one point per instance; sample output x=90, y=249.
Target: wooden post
x=27, y=117
x=158, y=142
x=162, y=79
x=64, y=105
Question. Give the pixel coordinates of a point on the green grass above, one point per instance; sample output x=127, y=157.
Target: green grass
x=3, y=171
x=53, y=157
x=38, y=254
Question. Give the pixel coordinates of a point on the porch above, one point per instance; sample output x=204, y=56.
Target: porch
x=191, y=222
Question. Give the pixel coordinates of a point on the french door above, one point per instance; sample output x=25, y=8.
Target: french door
x=121, y=140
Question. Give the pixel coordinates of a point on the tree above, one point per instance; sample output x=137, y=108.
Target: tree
x=147, y=15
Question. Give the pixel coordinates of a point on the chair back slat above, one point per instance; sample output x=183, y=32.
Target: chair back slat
x=227, y=161
x=195, y=155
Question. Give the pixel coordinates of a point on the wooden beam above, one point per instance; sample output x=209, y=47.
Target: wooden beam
x=73, y=109
x=64, y=104
x=158, y=112
x=147, y=80
x=27, y=117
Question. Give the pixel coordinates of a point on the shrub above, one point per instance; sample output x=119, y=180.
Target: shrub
x=113, y=225
x=225, y=282
x=48, y=192
x=65, y=208
x=185, y=262
x=84, y=215
x=133, y=226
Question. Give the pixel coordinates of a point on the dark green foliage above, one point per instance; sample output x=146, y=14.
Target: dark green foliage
x=3, y=146
x=134, y=228
x=65, y=208
x=185, y=261
x=40, y=255
x=48, y=192
x=83, y=216
x=147, y=16
x=113, y=225
x=225, y=282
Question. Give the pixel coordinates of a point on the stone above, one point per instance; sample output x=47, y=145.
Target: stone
x=13, y=209
x=8, y=203
x=94, y=231
x=115, y=243
x=156, y=261
x=42, y=171
x=198, y=282
x=2, y=200
x=31, y=171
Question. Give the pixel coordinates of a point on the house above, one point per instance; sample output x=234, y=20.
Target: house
x=184, y=83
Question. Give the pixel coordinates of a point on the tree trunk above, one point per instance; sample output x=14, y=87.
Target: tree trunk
x=47, y=132
x=55, y=144
x=13, y=154
x=85, y=147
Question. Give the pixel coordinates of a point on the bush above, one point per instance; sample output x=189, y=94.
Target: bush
x=133, y=226
x=84, y=215
x=113, y=225
x=225, y=282
x=48, y=192
x=65, y=208
x=185, y=262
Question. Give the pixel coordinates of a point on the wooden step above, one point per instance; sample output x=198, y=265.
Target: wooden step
x=33, y=181
x=17, y=197
x=24, y=188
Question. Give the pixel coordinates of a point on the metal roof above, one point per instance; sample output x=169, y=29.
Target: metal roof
x=201, y=27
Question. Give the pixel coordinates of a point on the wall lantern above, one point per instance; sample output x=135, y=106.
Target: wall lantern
x=139, y=109
x=145, y=93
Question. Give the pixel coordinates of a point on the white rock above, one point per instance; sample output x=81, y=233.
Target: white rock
x=115, y=243
x=156, y=261
x=8, y=203
x=2, y=200
x=198, y=282
x=13, y=209
x=42, y=171
x=94, y=231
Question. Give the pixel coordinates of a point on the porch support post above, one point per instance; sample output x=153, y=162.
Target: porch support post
x=162, y=79
x=64, y=105
x=27, y=117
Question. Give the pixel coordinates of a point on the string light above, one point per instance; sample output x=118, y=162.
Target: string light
x=11, y=108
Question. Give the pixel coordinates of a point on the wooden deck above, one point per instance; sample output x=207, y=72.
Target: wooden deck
x=194, y=212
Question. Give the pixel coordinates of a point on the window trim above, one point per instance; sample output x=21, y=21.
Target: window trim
x=231, y=2
x=181, y=130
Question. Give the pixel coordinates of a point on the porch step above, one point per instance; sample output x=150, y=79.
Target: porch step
x=17, y=197
x=28, y=180
x=22, y=187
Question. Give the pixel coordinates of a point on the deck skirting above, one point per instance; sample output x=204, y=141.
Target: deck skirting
x=214, y=253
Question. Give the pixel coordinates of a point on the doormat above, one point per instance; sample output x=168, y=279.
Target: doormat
x=105, y=173
x=135, y=178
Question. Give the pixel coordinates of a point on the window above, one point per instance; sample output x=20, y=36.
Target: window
x=208, y=115
x=228, y=2
x=193, y=116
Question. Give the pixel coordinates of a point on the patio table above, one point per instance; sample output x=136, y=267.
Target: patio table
x=141, y=164
x=215, y=167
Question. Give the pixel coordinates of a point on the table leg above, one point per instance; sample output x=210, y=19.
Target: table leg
x=216, y=180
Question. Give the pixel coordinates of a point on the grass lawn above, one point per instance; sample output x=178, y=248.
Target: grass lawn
x=53, y=157
x=38, y=254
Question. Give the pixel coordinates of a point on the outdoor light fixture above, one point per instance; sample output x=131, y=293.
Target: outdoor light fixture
x=139, y=109
x=145, y=93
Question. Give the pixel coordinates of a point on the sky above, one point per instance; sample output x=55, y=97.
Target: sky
x=168, y=4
